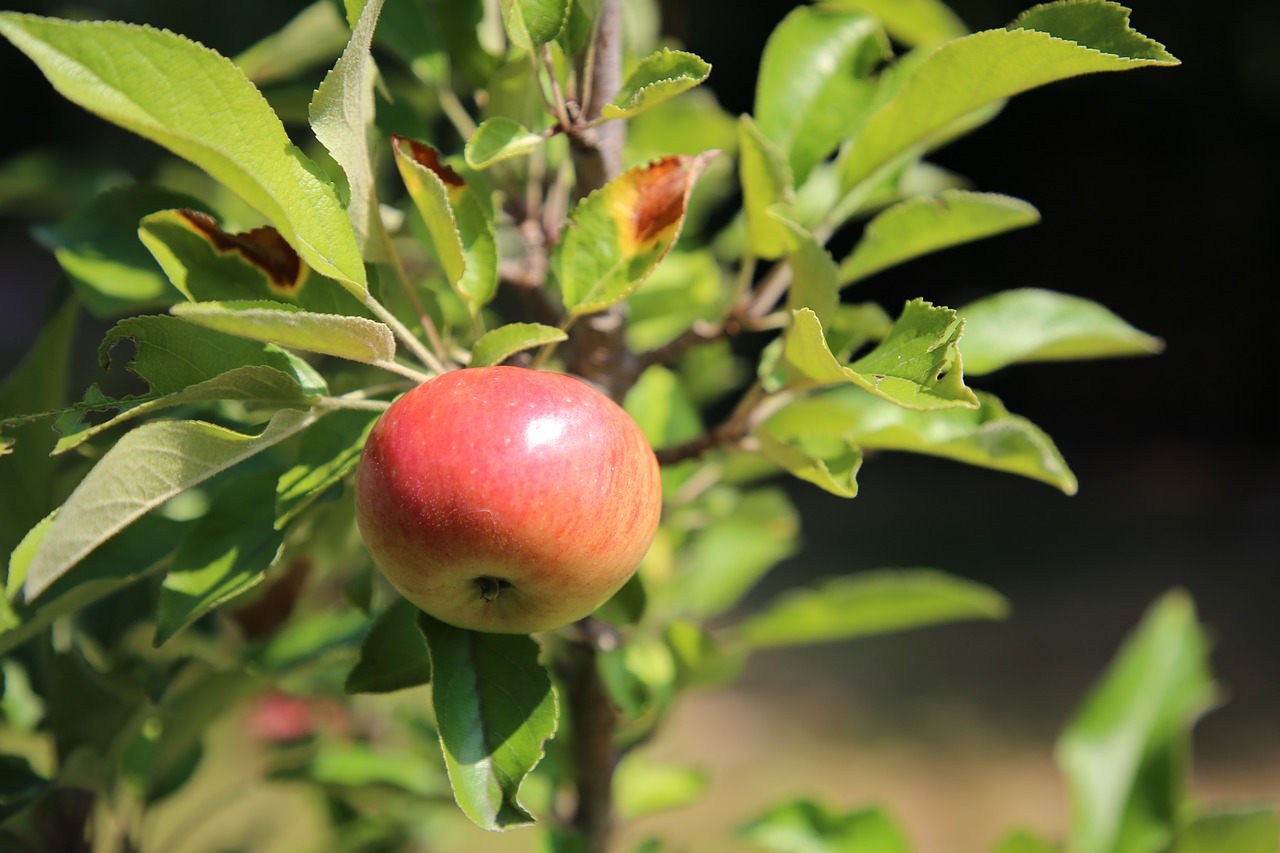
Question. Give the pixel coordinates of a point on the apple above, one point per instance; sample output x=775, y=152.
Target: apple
x=507, y=500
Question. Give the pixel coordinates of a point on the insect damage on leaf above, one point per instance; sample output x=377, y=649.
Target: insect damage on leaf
x=426, y=156
x=648, y=203
x=262, y=247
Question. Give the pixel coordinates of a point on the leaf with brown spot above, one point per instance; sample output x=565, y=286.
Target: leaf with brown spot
x=618, y=234
x=262, y=247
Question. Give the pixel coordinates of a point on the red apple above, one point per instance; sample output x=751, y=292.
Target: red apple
x=507, y=500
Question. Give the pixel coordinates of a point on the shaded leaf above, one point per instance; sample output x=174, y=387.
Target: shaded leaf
x=804, y=826
x=922, y=225
x=1024, y=841
x=316, y=637
x=497, y=139
x=766, y=181
x=976, y=71
x=499, y=344
x=393, y=655
x=813, y=272
x=495, y=708
x=1028, y=324
x=617, y=235
x=142, y=470
x=912, y=22
x=312, y=37
x=1255, y=830
x=687, y=287
x=532, y=23
x=328, y=452
x=644, y=787
x=1125, y=752
x=657, y=78
x=178, y=94
x=227, y=553
x=19, y=785
x=867, y=604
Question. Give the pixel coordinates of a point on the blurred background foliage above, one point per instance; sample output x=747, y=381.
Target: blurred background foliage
x=1157, y=194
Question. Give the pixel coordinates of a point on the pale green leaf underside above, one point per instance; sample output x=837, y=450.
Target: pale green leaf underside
x=341, y=114
x=495, y=709
x=354, y=338
x=870, y=603
x=1040, y=325
x=919, y=226
x=915, y=366
x=142, y=470
x=659, y=77
x=497, y=139
x=499, y=344
x=989, y=436
x=198, y=105
x=1124, y=752
x=975, y=71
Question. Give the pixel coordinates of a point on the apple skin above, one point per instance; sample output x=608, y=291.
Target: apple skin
x=507, y=500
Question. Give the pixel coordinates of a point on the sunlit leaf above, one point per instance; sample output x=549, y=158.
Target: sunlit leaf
x=353, y=338
x=867, y=604
x=495, y=708
x=1125, y=752
x=312, y=37
x=657, y=78
x=499, y=344
x=1024, y=841
x=911, y=22
x=617, y=235
x=327, y=453
x=1028, y=324
x=341, y=114
x=532, y=23
x=497, y=139
x=807, y=826
x=766, y=181
x=816, y=86
x=922, y=225
x=644, y=787
x=830, y=463
x=179, y=94
x=962, y=76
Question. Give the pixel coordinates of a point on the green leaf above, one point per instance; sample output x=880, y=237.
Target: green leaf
x=912, y=22
x=804, y=826
x=180, y=94
x=766, y=181
x=644, y=787
x=657, y=78
x=919, y=226
x=497, y=139
x=226, y=554
x=816, y=86
x=728, y=557
x=532, y=23
x=314, y=639
x=1255, y=830
x=312, y=37
x=19, y=785
x=830, y=463
x=870, y=603
x=1040, y=325
x=1125, y=754
x=989, y=436
x=499, y=344
x=37, y=384
x=916, y=366
x=341, y=114
x=393, y=655
x=976, y=71
x=367, y=768
x=328, y=452
x=1024, y=841
x=813, y=272
x=686, y=288
x=97, y=247
x=137, y=552
x=495, y=708
x=618, y=234
x=142, y=470
x=461, y=234
x=354, y=338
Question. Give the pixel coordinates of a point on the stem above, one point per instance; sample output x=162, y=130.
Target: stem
x=353, y=403
x=404, y=370
x=428, y=327
x=428, y=358
x=594, y=758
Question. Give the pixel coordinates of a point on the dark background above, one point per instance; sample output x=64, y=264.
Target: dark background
x=1156, y=189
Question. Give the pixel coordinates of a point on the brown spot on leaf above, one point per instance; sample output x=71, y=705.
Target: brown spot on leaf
x=426, y=156
x=654, y=203
x=262, y=247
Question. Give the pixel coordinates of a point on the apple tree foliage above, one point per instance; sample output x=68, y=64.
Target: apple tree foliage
x=541, y=183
